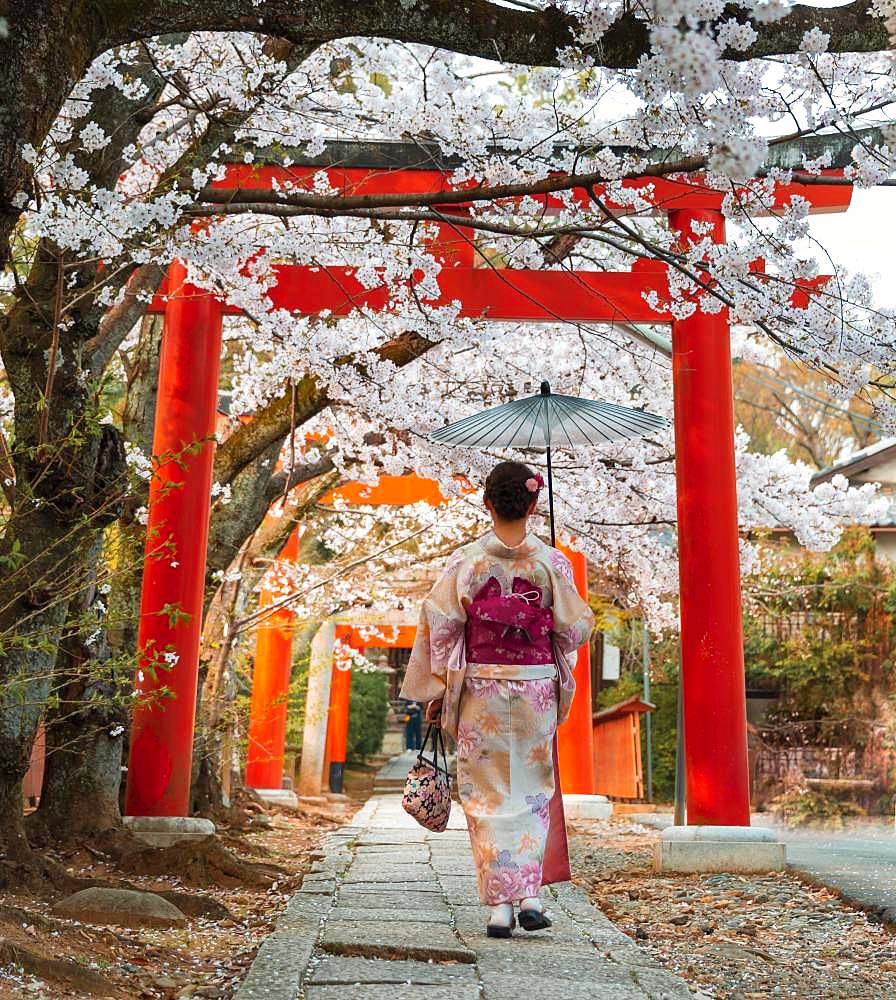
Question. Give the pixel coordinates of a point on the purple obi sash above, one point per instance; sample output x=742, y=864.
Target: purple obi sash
x=509, y=629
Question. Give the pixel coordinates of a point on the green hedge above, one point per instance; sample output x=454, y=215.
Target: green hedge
x=368, y=708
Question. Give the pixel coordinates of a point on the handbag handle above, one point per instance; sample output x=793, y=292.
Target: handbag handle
x=438, y=743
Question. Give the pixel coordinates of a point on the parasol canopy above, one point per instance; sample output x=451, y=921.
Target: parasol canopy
x=549, y=420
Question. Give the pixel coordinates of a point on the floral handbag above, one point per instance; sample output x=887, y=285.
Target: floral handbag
x=427, y=792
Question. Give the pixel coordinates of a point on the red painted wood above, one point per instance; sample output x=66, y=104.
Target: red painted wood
x=270, y=687
x=34, y=777
x=712, y=659
x=391, y=490
x=174, y=572
x=575, y=738
x=508, y=294
x=617, y=757
x=173, y=577
x=337, y=718
x=515, y=295
x=377, y=636
x=664, y=193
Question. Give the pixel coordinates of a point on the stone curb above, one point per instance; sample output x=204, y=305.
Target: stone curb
x=281, y=963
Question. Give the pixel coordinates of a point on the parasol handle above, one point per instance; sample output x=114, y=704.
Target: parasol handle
x=551, y=498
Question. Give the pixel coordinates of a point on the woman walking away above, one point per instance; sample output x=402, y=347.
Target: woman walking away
x=493, y=657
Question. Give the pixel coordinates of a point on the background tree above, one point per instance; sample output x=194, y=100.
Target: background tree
x=107, y=159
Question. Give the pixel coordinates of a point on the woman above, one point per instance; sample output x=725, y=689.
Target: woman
x=493, y=655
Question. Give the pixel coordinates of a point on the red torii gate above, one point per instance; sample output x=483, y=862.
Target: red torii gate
x=273, y=661
x=711, y=635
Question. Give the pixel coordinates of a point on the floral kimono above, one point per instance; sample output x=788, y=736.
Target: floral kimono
x=497, y=640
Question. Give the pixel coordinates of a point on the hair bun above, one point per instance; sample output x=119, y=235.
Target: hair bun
x=509, y=492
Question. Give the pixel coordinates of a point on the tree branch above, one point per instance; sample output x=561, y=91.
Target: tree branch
x=275, y=420
x=478, y=27
x=118, y=321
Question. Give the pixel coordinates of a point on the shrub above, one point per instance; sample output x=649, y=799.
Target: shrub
x=804, y=806
x=368, y=708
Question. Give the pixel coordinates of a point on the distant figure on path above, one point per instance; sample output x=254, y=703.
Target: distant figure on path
x=493, y=657
x=412, y=729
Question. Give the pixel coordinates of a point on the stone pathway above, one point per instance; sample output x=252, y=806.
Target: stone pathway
x=394, y=773
x=391, y=912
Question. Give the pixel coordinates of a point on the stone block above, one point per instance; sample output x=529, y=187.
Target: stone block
x=547, y=987
x=402, y=855
x=404, y=902
x=278, y=797
x=163, y=831
x=278, y=968
x=719, y=849
x=411, y=940
x=587, y=807
x=431, y=916
x=397, y=886
x=364, y=871
x=335, y=970
x=388, y=992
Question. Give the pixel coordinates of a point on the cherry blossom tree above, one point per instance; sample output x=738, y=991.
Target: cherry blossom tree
x=118, y=118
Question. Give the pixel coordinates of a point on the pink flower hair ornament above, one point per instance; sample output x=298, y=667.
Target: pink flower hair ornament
x=535, y=483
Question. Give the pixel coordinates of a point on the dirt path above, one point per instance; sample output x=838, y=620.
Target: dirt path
x=735, y=937
x=207, y=958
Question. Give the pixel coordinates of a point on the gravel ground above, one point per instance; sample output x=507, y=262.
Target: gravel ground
x=734, y=937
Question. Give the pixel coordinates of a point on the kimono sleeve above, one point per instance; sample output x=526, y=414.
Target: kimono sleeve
x=573, y=618
x=440, y=638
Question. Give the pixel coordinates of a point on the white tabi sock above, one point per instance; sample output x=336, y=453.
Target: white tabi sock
x=501, y=915
x=532, y=903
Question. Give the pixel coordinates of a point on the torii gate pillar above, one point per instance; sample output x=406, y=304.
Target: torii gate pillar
x=158, y=782
x=270, y=691
x=719, y=836
x=575, y=738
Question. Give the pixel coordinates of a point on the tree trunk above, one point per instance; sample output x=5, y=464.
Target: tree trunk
x=86, y=730
x=69, y=480
x=84, y=727
x=79, y=797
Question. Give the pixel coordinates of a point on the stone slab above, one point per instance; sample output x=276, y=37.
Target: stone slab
x=388, y=992
x=719, y=856
x=451, y=868
x=279, y=966
x=164, y=831
x=392, y=887
x=406, y=902
x=433, y=916
x=335, y=969
x=278, y=797
x=587, y=807
x=322, y=886
x=402, y=921
x=401, y=855
x=364, y=872
x=720, y=834
x=392, y=838
x=411, y=940
x=550, y=988
x=304, y=908
x=516, y=958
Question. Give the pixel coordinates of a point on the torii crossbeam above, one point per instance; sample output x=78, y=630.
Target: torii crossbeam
x=711, y=632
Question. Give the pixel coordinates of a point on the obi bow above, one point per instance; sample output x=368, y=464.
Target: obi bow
x=517, y=616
